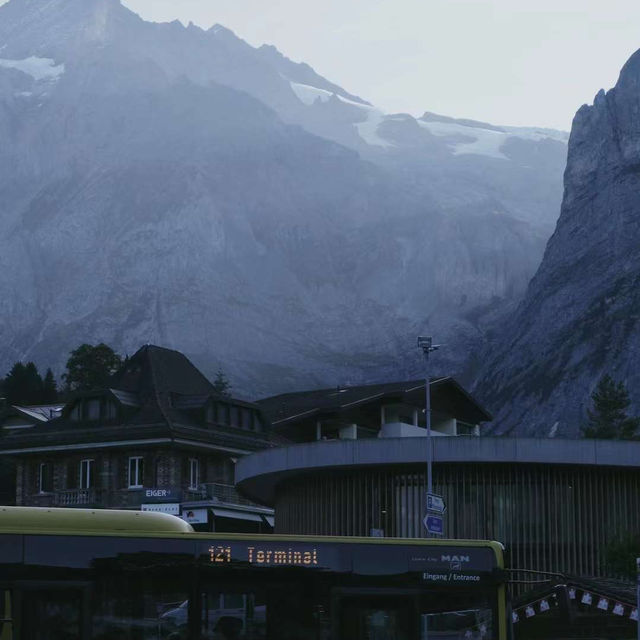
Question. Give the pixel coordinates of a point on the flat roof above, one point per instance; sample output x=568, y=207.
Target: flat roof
x=258, y=474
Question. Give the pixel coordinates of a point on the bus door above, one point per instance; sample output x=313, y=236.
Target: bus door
x=52, y=611
x=375, y=614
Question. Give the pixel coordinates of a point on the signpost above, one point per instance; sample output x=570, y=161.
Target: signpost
x=436, y=504
x=434, y=524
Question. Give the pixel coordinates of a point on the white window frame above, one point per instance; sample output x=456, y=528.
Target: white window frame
x=194, y=473
x=136, y=464
x=89, y=464
x=41, y=467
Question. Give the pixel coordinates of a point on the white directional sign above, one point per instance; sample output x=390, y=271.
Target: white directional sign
x=436, y=503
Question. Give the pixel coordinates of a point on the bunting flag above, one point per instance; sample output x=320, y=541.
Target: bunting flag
x=542, y=605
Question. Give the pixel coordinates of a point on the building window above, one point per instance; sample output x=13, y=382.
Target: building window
x=136, y=472
x=235, y=416
x=45, y=477
x=110, y=411
x=222, y=413
x=87, y=474
x=93, y=409
x=194, y=473
x=76, y=412
x=246, y=419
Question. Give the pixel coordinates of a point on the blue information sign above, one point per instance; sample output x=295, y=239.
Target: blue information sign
x=434, y=524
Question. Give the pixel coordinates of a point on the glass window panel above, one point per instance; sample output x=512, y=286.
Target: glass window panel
x=136, y=471
x=52, y=614
x=6, y=614
x=93, y=409
x=132, y=606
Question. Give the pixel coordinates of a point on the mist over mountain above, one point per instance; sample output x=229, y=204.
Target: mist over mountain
x=580, y=318
x=177, y=186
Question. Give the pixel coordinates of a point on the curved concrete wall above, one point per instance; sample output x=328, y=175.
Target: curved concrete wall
x=555, y=504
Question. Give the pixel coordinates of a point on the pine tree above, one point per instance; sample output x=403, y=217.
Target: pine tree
x=23, y=384
x=608, y=419
x=49, y=388
x=14, y=384
x=221, y=383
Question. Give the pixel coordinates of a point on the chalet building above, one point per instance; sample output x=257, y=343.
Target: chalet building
x=159, y=438
x=390, y=410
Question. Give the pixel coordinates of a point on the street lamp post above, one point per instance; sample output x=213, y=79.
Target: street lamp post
x=426, y=344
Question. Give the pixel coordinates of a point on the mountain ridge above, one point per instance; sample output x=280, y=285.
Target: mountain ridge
x=166, y=184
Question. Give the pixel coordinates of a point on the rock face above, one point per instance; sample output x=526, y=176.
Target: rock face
x=169, y=185
x=580, y=318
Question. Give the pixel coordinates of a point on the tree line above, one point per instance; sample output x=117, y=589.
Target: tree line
x=88, y=367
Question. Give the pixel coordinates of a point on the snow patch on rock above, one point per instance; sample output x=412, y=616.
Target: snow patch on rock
x=308, y=94
x=483, y=142
x=367, y=130
x=37, y=68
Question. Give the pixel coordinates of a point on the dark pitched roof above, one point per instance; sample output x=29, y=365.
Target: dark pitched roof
x=160, y=392
x=291, y=407
x=160, y=370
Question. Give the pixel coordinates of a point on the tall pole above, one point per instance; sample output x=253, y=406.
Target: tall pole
x=427, y=346
x=427, y=415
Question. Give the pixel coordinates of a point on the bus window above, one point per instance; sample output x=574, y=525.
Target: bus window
x=135, y=607
x=376, y=618
x=6, y=615
x=52, y=614
x=230, y=616
x=457, y=615
x=290, y=611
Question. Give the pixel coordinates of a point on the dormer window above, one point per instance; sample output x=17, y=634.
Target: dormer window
x=111, y=412
x=93, y=409
x=76, y=412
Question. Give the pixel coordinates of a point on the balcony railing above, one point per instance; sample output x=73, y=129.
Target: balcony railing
x=76, y=497
x=217, y=492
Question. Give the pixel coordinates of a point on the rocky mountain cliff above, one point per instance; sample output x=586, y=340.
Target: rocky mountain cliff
x=173, y=185
x=580, y=318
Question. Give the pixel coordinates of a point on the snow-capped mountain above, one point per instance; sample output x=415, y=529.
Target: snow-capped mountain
x=174, y=185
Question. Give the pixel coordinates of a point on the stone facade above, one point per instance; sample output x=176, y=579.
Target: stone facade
x=108, y=485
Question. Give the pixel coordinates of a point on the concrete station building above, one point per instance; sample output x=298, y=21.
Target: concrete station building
x=356, y=466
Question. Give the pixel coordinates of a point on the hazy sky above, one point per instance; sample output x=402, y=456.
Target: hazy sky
x=506, y=61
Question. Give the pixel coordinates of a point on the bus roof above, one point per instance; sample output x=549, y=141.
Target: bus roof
x=92, y=522
x=40, y=519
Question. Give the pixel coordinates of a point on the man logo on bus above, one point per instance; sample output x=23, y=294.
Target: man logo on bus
x=455, y=562
x=447, y=558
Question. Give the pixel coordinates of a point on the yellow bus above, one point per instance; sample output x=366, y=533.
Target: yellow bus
x=72, y=574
